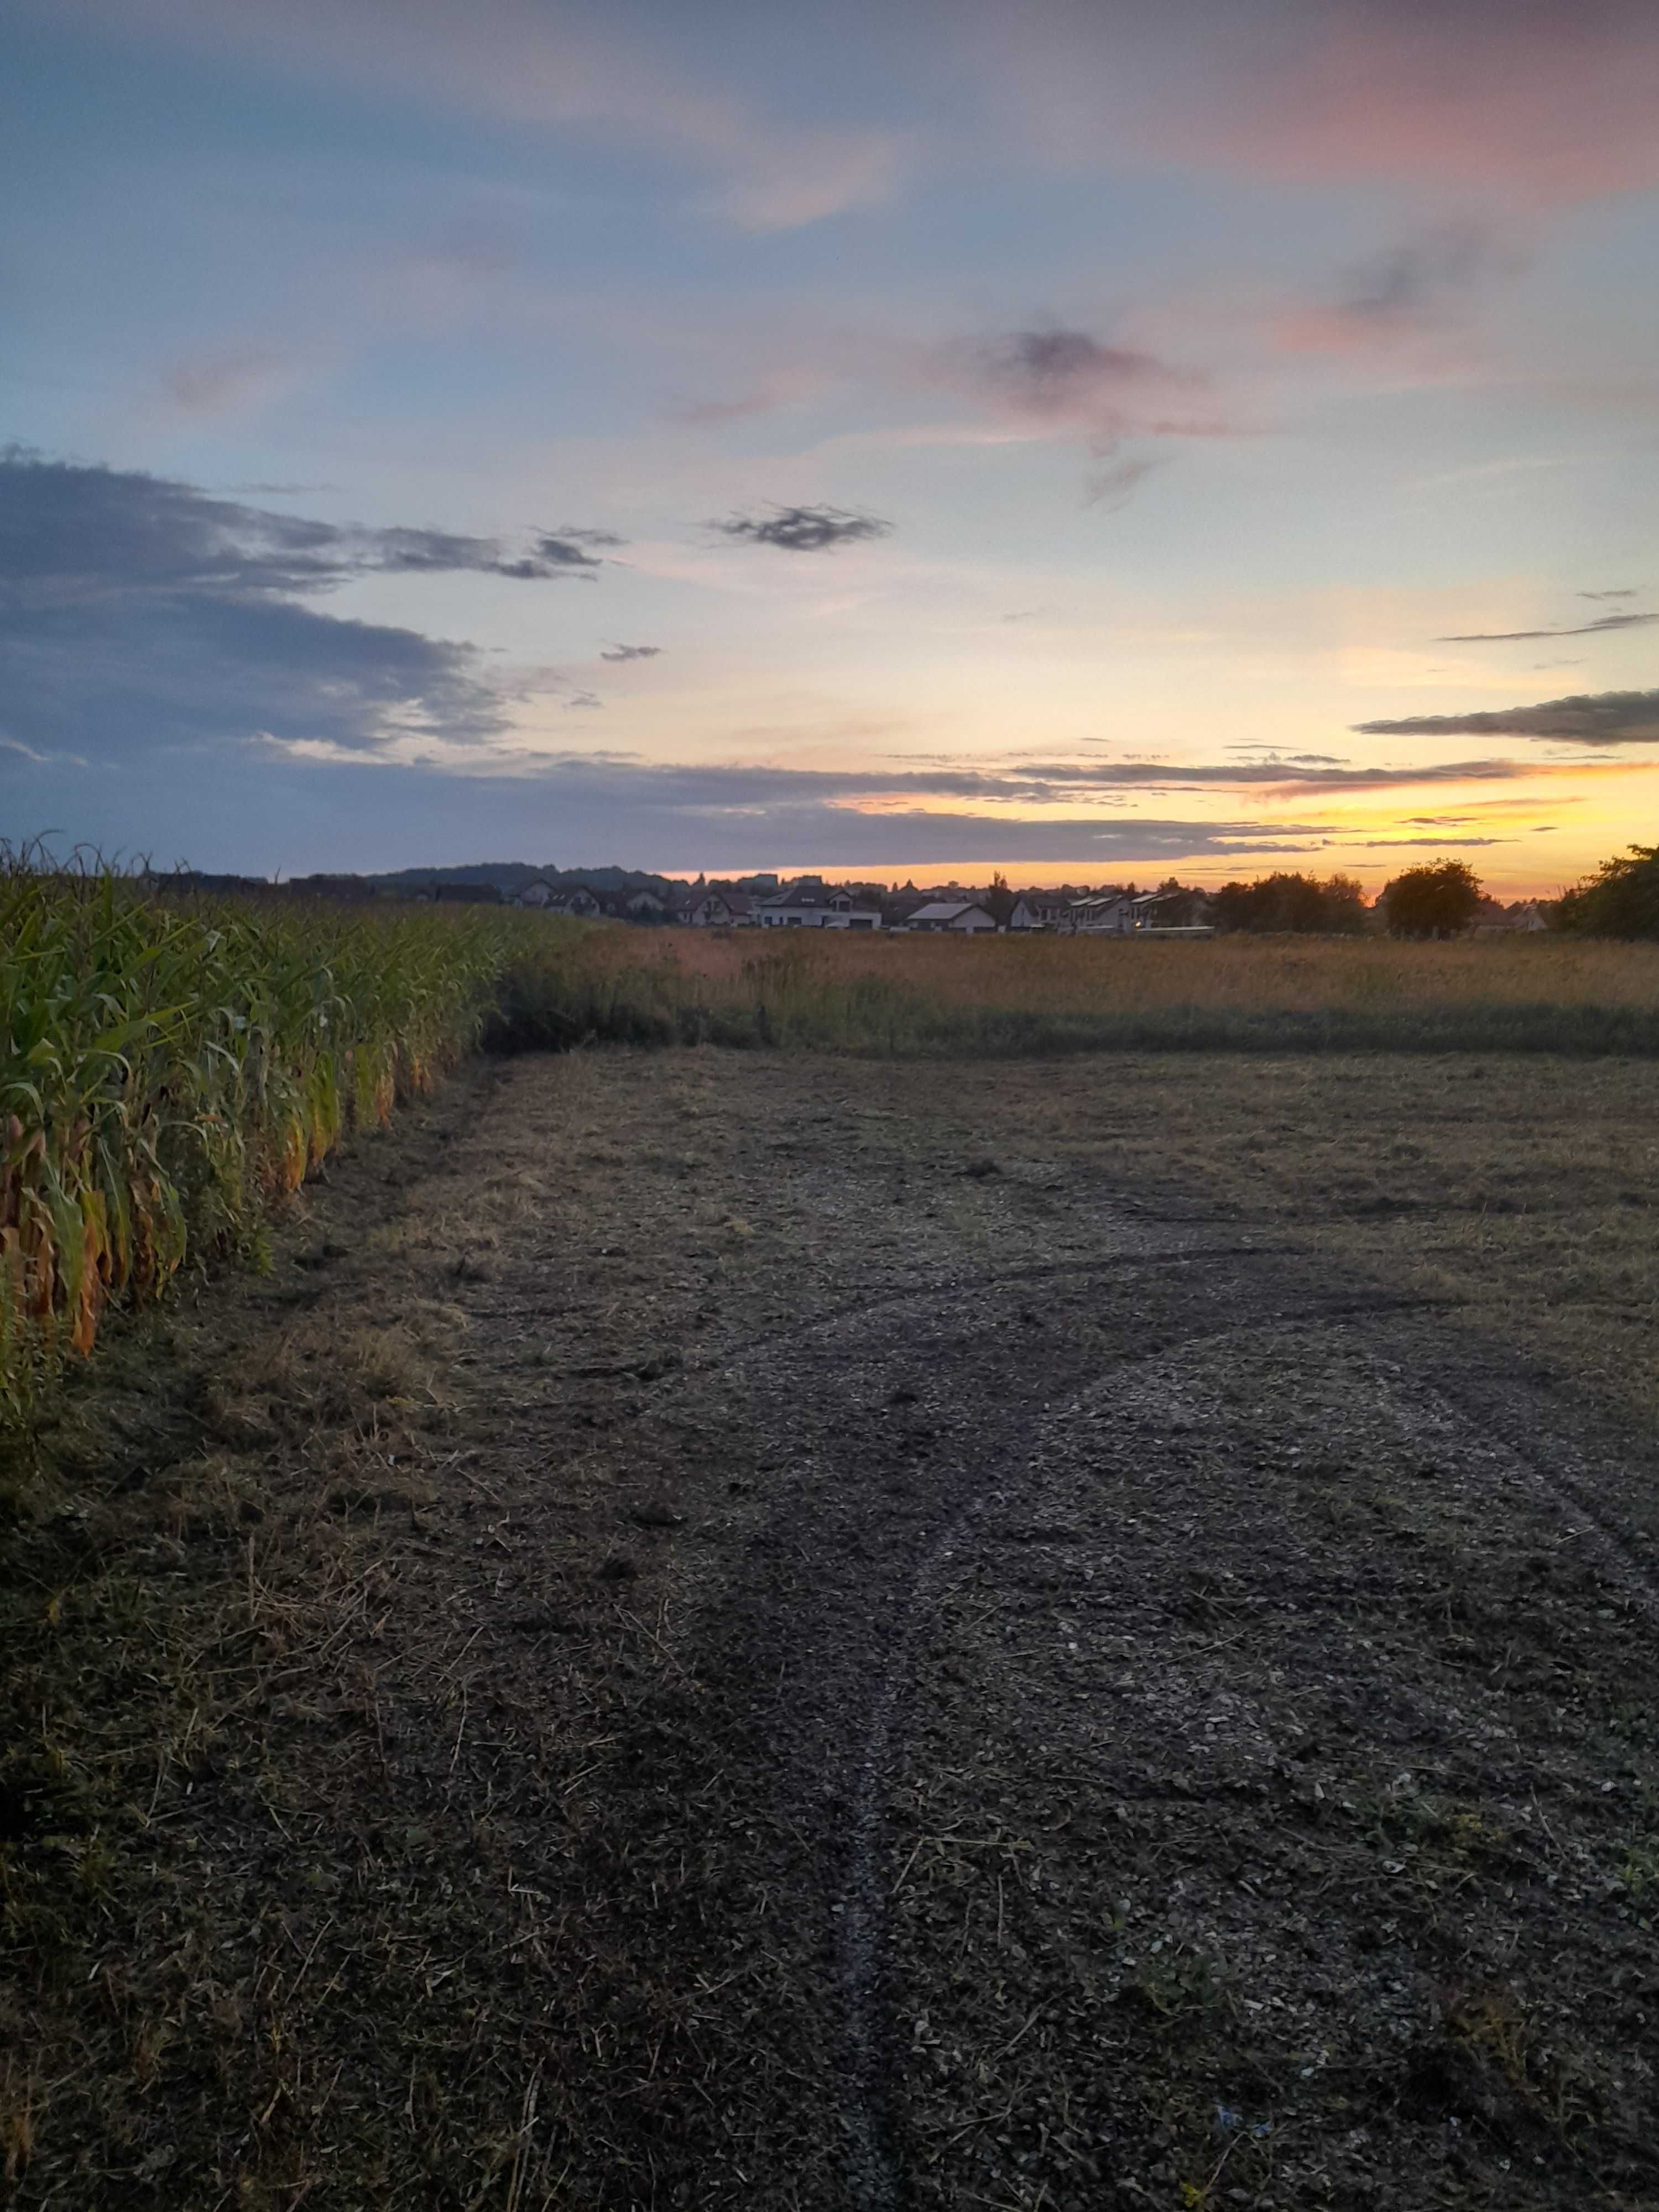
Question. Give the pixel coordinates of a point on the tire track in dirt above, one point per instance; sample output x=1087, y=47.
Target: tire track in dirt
x=878, y=1438
x=870, y=1641
x=856, y=1739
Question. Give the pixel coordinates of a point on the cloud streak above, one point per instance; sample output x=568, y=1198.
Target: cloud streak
x=741, y=788
x=630, y=653
x=1597, y=718
x=681, y=815
x=1577, y=629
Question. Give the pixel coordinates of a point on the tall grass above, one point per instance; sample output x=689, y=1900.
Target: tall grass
x=169, y=1069
x=915, y=994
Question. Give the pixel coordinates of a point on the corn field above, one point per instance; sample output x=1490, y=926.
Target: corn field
x=169, y=1068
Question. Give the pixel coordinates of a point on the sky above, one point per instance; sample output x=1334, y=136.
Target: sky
x=1066, y=436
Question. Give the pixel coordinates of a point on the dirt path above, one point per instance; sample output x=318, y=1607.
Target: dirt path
x=922, y=1673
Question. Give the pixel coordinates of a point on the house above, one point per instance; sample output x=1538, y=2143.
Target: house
x=1040, y=910
x=811, y=904
x=852, y=910
x=467, y=894
x=1177, y=913
x=1495, y=920
x=538, y=892
x=579, y=903
x=965, y=916
x=720, y=907
x=896, y=912
x=1105, y=914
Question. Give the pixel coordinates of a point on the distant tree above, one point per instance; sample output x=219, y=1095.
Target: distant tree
x=1440, y=899
x=1345, y=905
x=998, y=902
x=1304, y=904
x=1622, y=899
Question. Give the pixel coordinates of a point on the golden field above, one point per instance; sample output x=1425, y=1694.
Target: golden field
x=903, y=993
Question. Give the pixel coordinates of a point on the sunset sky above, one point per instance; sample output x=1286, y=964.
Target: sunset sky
x=1089, y=440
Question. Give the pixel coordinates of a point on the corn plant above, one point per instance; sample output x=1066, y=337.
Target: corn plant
x=170, y=1067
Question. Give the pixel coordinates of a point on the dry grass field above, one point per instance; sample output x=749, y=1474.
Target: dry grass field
x=1083, y=974
x=905, y=994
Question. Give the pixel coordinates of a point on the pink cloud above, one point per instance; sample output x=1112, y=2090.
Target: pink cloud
x=1550, y=103
x=1534, y=102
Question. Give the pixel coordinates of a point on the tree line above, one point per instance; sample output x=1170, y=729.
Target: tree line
x=1441, y=898
x=1438, y=899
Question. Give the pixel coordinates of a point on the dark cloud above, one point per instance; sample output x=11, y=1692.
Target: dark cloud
x=1291, y=774
x=708, y=414
x=1399, y=292
x=1068, y=377
x=1304, y=760
x=1113, y=486
x=1597, y=718
x=67, y=530
x=1404, y=280
x=805, y=529
x=1044, y=371
x=568, y=532
x=630, y=653
x=583, y=699
x=1053, y=782
x=1577, y=629
x=1437, y=844
x=1626, y=593
x=1062, y=380
x=565, y=557
x=136, y=611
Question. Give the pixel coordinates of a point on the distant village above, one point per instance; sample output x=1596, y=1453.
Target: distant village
x=765, y=902
x=1333, y=905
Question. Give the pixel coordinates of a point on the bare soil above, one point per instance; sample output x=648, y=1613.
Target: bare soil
x=735, y=1629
